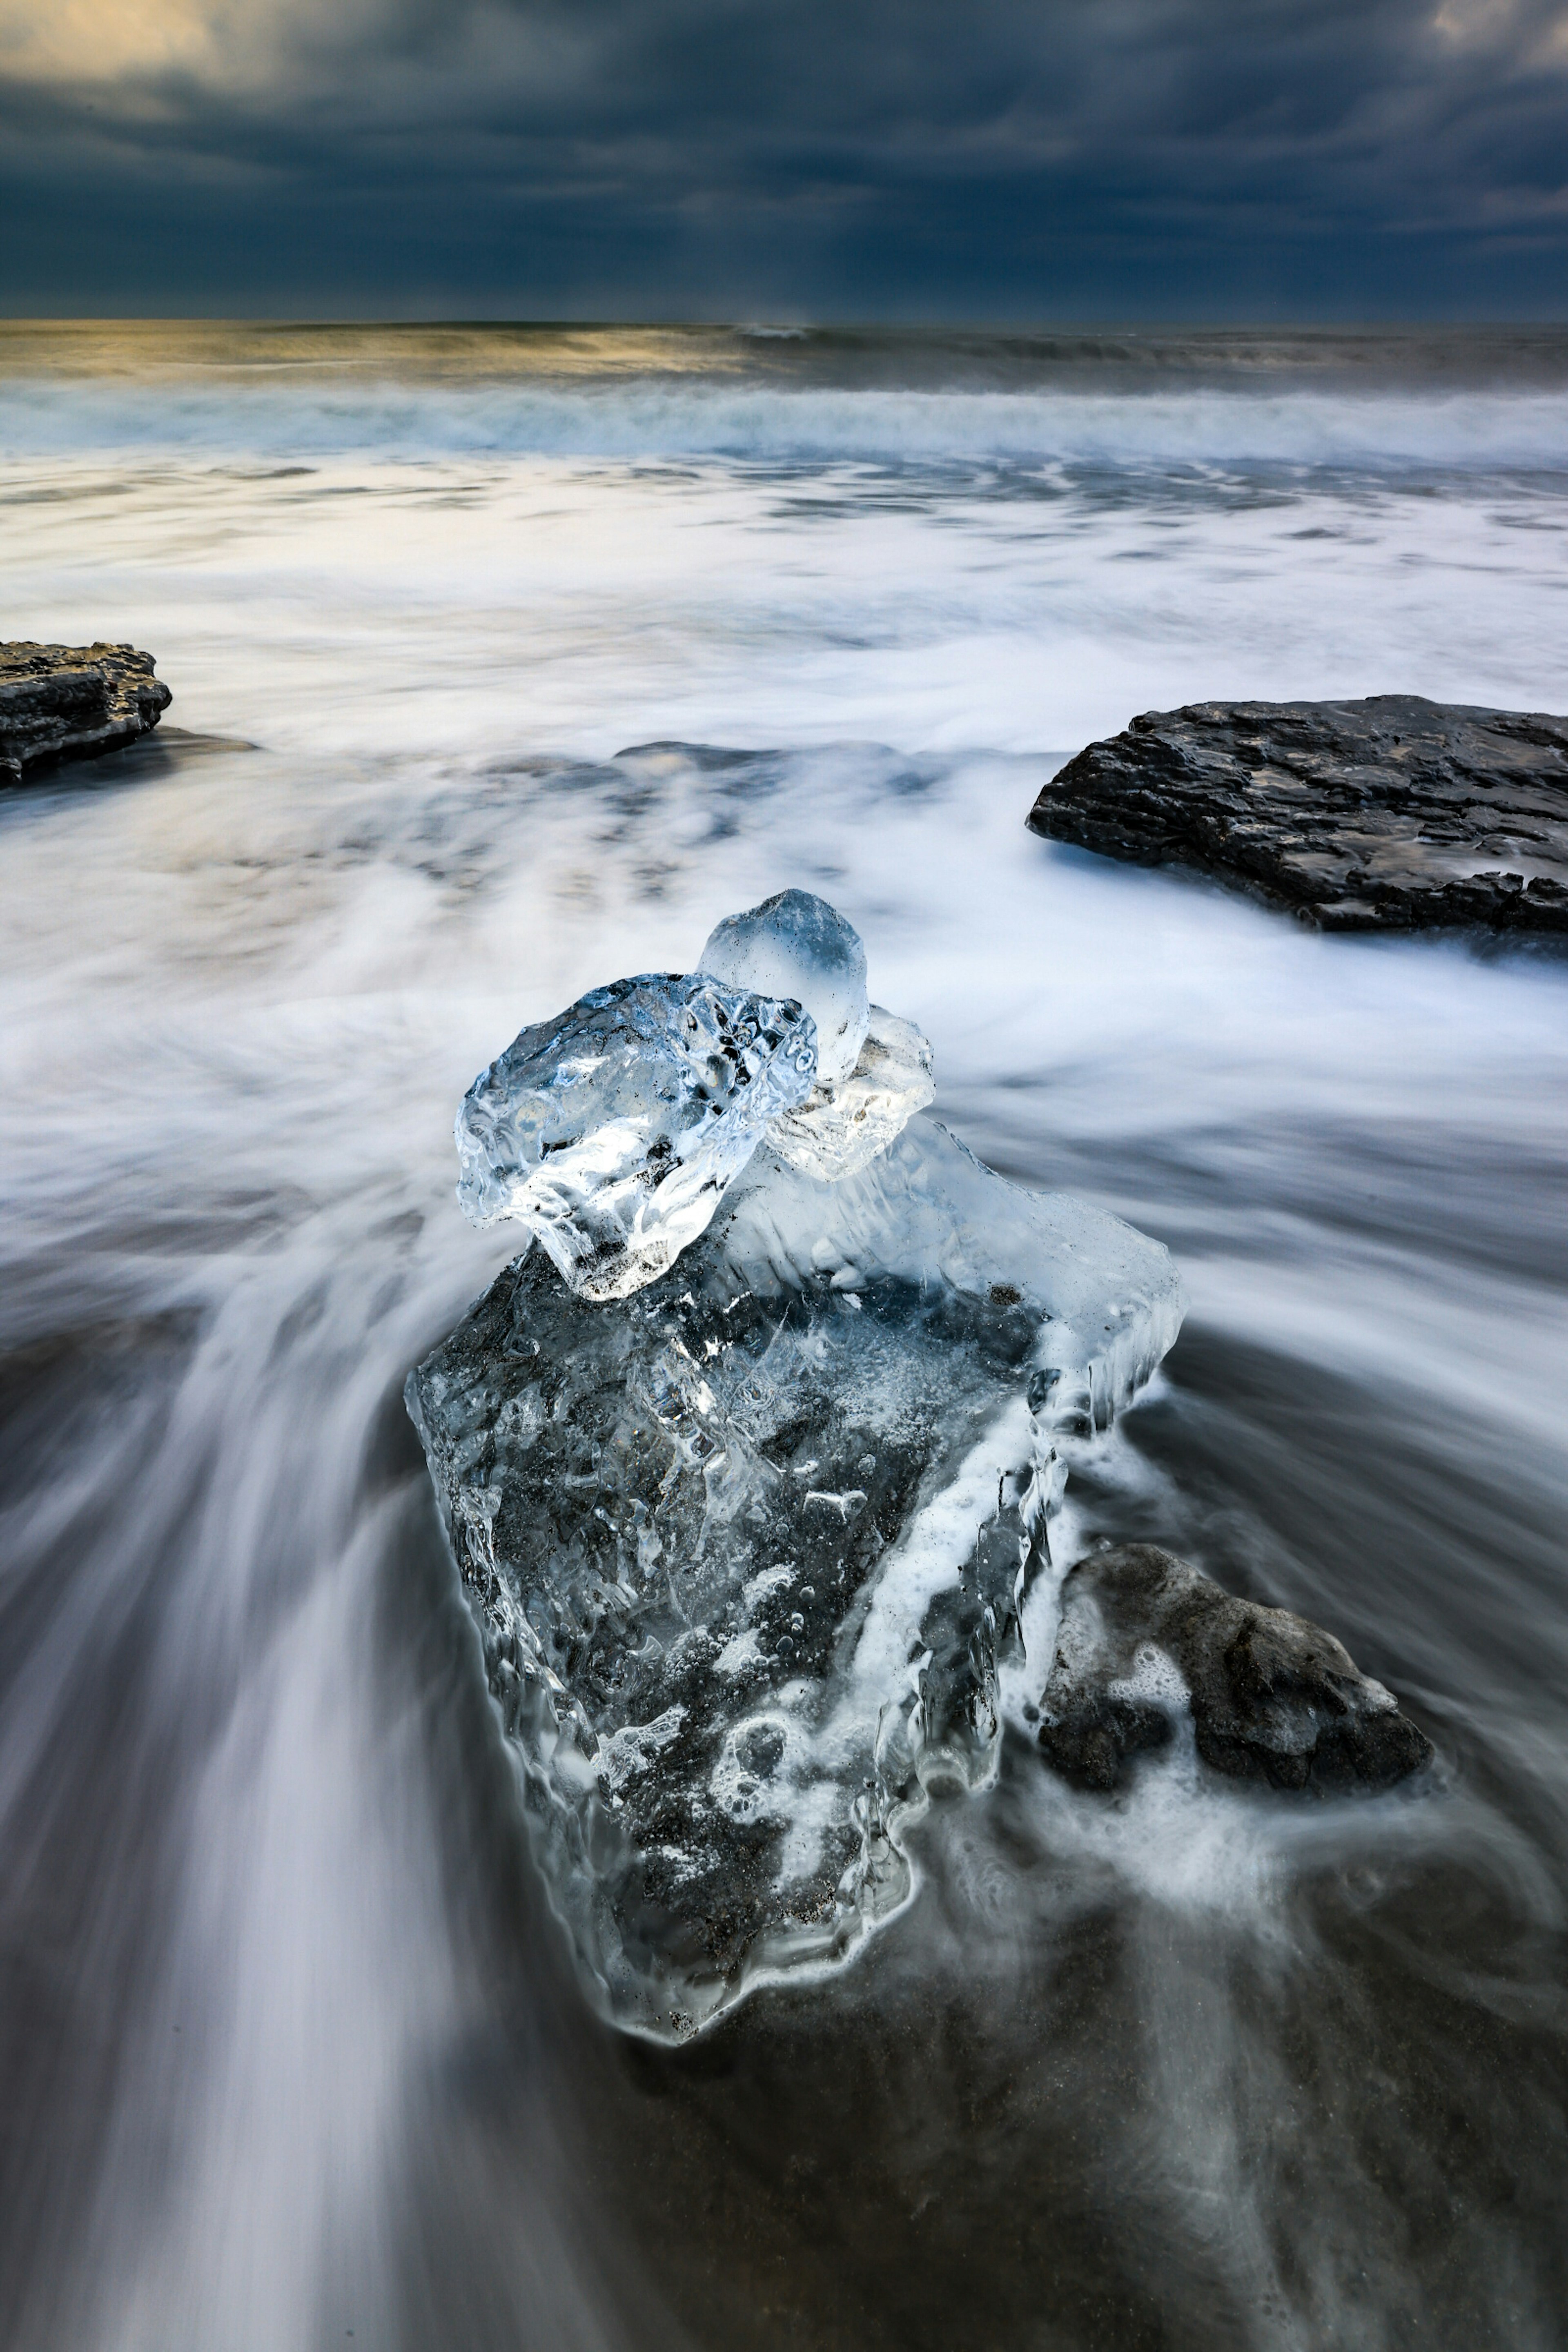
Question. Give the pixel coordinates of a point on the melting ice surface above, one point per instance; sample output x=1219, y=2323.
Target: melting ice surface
x=873, y=1070
x=749, y=1528
x=797, y=945
x=844, y=1122
x=611, y=1131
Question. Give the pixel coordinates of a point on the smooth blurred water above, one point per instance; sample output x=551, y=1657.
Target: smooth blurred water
x=288, y=2051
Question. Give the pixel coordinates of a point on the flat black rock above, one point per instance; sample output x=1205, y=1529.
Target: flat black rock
x=1394, y=813
x=1144, y=1638
x=72, y=702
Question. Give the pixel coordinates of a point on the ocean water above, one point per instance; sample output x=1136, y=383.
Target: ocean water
x=505, y=662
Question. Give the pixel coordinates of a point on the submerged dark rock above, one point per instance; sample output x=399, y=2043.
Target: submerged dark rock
x=1394, y=813
x=1145, y=1638
x=73, y=702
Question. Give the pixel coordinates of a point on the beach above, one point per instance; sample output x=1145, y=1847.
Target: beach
x=505, y=663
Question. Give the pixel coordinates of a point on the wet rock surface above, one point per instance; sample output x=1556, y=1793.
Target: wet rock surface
x=1146, y=1639
x=72, y=702
x=1392, y=814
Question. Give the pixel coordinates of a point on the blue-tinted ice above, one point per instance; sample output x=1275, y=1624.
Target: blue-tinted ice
x=749, y=1545
x=611, y=1131
x=794, y=945
x=844, y=1122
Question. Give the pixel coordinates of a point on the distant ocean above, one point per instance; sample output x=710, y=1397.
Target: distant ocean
x=290, y=2052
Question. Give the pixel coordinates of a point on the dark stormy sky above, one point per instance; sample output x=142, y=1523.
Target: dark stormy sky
x=977, y=160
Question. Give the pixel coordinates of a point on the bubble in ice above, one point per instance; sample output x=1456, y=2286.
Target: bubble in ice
x=796, y=945
x=612, y=1130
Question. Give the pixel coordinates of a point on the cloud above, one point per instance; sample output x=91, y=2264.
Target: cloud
x=1004, y=157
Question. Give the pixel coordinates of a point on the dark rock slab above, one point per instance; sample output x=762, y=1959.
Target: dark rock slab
x=1394, y=813
x=72, y=702
x=1146, y=1639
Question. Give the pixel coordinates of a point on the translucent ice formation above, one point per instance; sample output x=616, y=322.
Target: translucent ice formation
x=843, y=1124
x=747, y=1549
x=612, y=1130
x=749, y=1546
x=796, y=945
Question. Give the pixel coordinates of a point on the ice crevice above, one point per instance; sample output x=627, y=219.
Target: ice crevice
x=747, y=1466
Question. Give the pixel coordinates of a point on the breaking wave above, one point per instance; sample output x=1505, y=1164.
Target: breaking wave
x=649, y=422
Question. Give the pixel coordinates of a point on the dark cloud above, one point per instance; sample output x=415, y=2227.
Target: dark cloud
x=1000, y=159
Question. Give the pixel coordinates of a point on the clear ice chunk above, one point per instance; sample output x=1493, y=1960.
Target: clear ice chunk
x=612, y=1130
x=747, y=1551
x=797, y=945
x=842, y=1124
x=926, y=1212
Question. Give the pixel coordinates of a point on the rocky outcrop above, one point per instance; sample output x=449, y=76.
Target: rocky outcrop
x=1144, y=1639
x=1394, y=813
x=72, y=702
